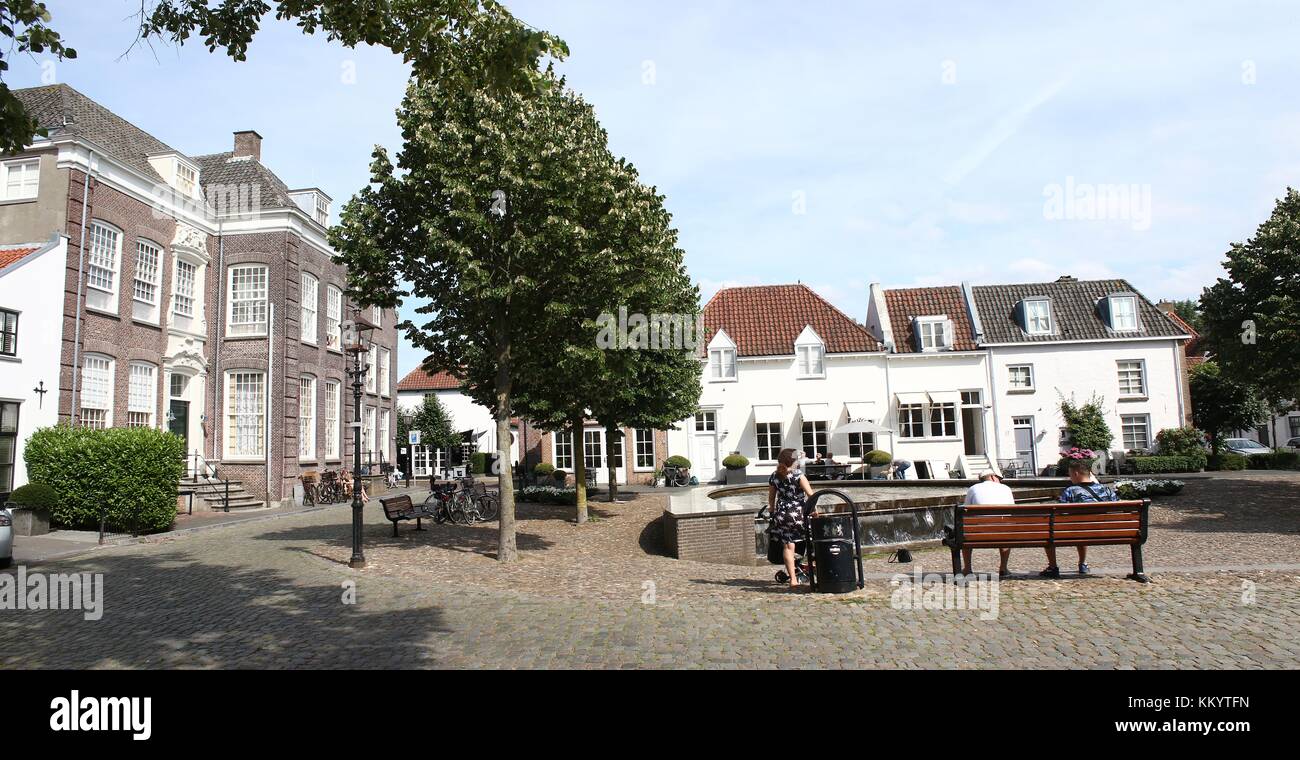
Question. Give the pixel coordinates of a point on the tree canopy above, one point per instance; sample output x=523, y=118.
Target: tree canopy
x=432, y=420
x=1222, y=404
x=1252, y=317
x=26, y=24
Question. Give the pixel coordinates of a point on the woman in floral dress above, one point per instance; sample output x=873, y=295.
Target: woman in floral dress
x=786, y=490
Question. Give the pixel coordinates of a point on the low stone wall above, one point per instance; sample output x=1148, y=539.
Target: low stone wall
x=725, y=538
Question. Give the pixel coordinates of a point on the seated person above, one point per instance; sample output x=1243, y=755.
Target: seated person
x=989, y=490
x=1083, y=488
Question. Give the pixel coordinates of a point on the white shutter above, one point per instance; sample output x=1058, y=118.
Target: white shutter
x=947, y=334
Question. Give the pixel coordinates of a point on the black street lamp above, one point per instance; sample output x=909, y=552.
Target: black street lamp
x=357, y=341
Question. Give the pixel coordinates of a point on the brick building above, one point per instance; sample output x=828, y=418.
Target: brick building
x=199, y=296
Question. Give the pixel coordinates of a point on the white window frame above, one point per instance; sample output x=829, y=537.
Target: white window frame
x=107, y=270
x=371, y=358
x=183, y=287
x=145, y=248
x=820, y=430
x=187, y=179
x=1031, y=319
x=943, y=422
x=643, y=450
x=562, y=450
x=385, y=357
x=706, y=421
x=333, y=412
x=1138, y=420
x=235, y=419
x=720, y=360
x=767, y=439
x=810, y=360
x=257, y=299
x=308, y=300
x=322, y=212
x=333, y=318
x=23, y=165
x=1011, y=378
x=307, y=418
x=1125, y=368
x=933, y=327
x=377, y=315
x=916, y=416
x=382, y=438
x=368, y=435
x=1114, y=321
x=142, y=394
x=99, y=370
x=862, y=443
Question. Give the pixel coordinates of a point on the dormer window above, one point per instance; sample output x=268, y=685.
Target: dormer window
x=314, y=203
x=186, y=179
x=178, y=172
x=722, y=359
x=934, y=333
x=810, y=354
x=322, y=213
x=1123, y=313
x=1038, y=316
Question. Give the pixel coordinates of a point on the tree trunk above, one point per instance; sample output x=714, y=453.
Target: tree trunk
x=507, y=551
x=579, y=469
x=612, y=439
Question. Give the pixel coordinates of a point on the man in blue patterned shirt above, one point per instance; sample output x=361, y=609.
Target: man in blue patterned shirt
x=1083, y=488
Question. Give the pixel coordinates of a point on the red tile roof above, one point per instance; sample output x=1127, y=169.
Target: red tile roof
x=1191, y=348
x=13, y=255
x=765, y=320
x=908, y=303
x=419, y=380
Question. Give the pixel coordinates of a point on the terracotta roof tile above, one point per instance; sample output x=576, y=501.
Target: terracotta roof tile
x=13, y=255
x=908, y=303
x=419, y=380
x=765, y=320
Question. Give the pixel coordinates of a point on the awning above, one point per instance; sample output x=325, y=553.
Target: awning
x=860, y=410
x=945, y=397
x=815, y=412
x=859, y=427
x=769, y=413
x=911, y=398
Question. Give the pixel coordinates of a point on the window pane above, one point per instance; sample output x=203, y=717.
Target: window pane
x=147, y=256
x=246, y=420
x=102, y=265
x=308, y=295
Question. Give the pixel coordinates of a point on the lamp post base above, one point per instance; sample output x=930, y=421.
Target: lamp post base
x=356, y=563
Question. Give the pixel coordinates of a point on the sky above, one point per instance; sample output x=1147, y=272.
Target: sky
x=834, y=143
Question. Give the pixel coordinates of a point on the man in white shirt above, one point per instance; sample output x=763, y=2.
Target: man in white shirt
x=989, y=490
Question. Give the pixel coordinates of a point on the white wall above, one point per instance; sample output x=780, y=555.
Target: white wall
x=1079, y=370
x=34, y=288
x=465, y=414
x=938, y=372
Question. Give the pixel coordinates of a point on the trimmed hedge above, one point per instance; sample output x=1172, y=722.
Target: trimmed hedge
x=126, y=475
x=1277, y=460
x=478, y=462
x=543, y=469
x=735, y=462
x=34, y=495
x=1180, y=442
x=878, y=458
x=677, y=460
x=1145, y=465
x=1227, y=461
x=549, y=495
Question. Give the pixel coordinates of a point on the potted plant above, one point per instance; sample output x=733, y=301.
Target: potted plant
x=735, y=462
x=877, y=460
x=559, y=476
x=542, y=472
x=31, y=506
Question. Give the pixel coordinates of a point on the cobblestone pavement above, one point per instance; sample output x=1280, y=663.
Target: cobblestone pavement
x=272, y=595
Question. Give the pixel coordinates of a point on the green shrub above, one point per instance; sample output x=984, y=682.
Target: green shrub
x=126, y=475
x=1226, y=461
x=1171, y=463
x=478, y=462
x=1180, y=442
x=559, y=476
x=34, y=495
x=878, y=458
x=1145, y=489
x=735, y=462
x=677, y=460
x=543, y=469
x=549, y=495
x=1274, y=460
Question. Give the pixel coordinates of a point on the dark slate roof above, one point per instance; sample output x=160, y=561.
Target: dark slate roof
x=908, y=303
x=1074, y=311
x=118, y=137
x=243, y=172
x=765, y=320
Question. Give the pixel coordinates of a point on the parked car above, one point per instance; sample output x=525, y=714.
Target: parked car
x=1294, y=443
x=6, y=537
x=1245, y=446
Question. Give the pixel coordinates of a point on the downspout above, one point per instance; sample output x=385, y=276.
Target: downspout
x=218, y=420
x=270, y=383
x=81, y=284
x=993, y=409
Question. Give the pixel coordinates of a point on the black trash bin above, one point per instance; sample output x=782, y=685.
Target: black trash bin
x=834, y=553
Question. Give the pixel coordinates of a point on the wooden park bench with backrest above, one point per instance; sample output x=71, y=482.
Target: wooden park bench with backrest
x=398, y=508
x=1041, y=525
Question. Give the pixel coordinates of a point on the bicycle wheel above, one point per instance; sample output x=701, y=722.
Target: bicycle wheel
x=488, y=508
x=457, y=512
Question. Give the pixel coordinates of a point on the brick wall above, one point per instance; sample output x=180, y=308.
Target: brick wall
x=719, y=538
x=544, y=452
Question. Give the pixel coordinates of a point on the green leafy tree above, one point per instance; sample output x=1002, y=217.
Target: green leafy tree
x=432, y=420
x=26, y=25
x=1221, y=404
x=1252, y=318
x=1086, y=424
x=1189, y=310
x=481, y=216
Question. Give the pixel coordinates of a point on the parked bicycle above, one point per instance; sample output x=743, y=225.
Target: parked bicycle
x=676, y=476
x=462, y=502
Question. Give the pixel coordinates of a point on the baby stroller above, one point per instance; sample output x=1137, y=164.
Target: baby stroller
x=776, y=552
x=829, y=558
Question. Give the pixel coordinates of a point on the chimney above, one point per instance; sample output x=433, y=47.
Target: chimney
x=1067, y=278
x=248, y=143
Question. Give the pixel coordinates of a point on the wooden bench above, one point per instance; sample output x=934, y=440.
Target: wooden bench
x=1042, y=525
x=398, y=508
